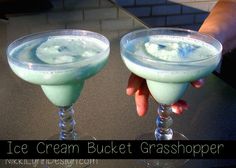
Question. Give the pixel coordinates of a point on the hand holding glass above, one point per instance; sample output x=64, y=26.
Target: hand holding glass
x=169, y=59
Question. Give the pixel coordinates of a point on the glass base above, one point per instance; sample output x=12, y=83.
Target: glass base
x=80, y=137
x=162, y=163
x=150, y=136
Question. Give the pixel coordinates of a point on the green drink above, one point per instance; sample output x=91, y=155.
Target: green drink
x=170, y=63
x=60, y=61
x=64, y=63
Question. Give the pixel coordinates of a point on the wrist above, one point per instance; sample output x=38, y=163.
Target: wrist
x=214, y=32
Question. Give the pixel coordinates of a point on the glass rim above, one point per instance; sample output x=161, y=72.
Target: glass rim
x=142, y=57
x=56, y=32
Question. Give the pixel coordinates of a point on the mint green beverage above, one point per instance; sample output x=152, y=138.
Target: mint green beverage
x=60, y=61
x=171, y=63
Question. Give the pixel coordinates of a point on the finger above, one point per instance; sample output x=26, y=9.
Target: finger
x=141, y=99
x=198, y=83
x=134, y=84
x=179, y=107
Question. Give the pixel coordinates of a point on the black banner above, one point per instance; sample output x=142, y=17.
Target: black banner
x=117, y=149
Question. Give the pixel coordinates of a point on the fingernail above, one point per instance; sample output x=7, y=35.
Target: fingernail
x=178, y=110
x=139, y=112
x=129, y=91
x=137, y=109
x=199, y=83
x=174, y=109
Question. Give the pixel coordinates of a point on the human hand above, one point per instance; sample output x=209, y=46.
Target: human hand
x=137, y=87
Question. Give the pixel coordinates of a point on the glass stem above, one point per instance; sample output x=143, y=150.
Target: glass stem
x=163, y=122
x=67, y=124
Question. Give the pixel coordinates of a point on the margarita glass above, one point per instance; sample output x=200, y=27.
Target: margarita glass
x=60, y=61
x=169, y=59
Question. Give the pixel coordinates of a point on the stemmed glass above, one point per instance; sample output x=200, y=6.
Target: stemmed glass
x=60, y=61
x=169, y=59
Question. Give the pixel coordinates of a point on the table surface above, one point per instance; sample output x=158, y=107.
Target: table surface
x=103, y=109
